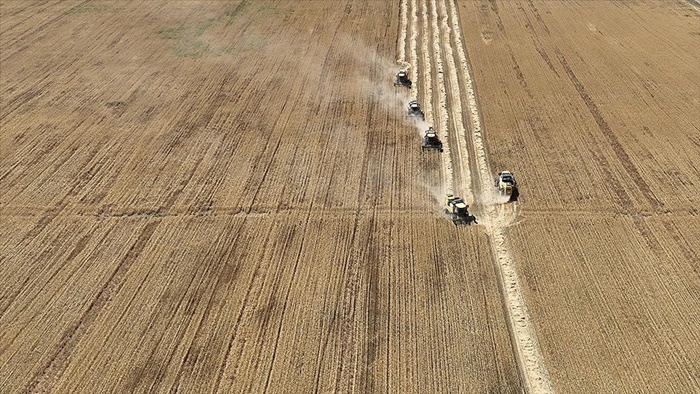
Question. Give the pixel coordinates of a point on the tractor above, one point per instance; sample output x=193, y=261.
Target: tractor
x=507, y=186
x=431, y=140
x=414, y=110
x=402, y=79
x=458, y=210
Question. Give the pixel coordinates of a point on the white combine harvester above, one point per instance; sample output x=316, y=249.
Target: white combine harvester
x=507, y=186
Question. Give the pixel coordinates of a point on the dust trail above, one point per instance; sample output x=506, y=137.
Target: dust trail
x=530, y=361
x=395, y=103
x=492, y=197
x=383, y=93
x=367, y=56
x=437, y=195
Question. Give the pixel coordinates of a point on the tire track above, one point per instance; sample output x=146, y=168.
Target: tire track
x=286, y=298
x=233, y=350
x=615, y=144
x=529, y=358
x=57, y=364
x=329, y=145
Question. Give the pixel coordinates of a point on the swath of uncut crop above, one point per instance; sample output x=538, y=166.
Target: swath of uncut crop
x=457, y=126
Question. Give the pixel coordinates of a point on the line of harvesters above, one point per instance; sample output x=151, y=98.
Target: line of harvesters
x=456, y=208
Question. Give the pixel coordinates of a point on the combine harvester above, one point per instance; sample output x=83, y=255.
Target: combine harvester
x=431, y=141
x=402, y=79
x=458, y=211
x=414, y=110
x=507, y=186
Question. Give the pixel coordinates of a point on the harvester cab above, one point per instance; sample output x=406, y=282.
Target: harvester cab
x=414, y=110
x=431, y=140
x=402, y=79
x=458, y=210
x=506, y=184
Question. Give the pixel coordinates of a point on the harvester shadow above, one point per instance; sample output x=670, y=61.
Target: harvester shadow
x=514, y=195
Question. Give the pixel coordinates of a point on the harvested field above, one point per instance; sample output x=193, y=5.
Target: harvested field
x=594, y=105
x=227, y=196
x=220, y=196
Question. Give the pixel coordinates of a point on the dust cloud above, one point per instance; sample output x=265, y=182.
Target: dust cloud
x=492, y=197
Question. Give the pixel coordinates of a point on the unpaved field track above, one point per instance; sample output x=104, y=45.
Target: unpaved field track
x=594, y=105
x=207, y=196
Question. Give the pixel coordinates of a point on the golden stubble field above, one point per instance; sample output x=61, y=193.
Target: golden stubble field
x=226, y=196
x=222, y=196
x=596, y=106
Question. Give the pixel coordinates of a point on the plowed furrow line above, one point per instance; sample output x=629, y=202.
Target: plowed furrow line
x=410, y=353
x=327, y=349
x=345, y=372
x=213, y=335
x=533, y=371
x=23, y=100
x=265, y=309
x=169, y=327
x=28, y=282
x=262, y=164
x=387, y=257
x=88, y=155
x=660, y=251
x=20, y=9
x=53, y=160
x=367, y=330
